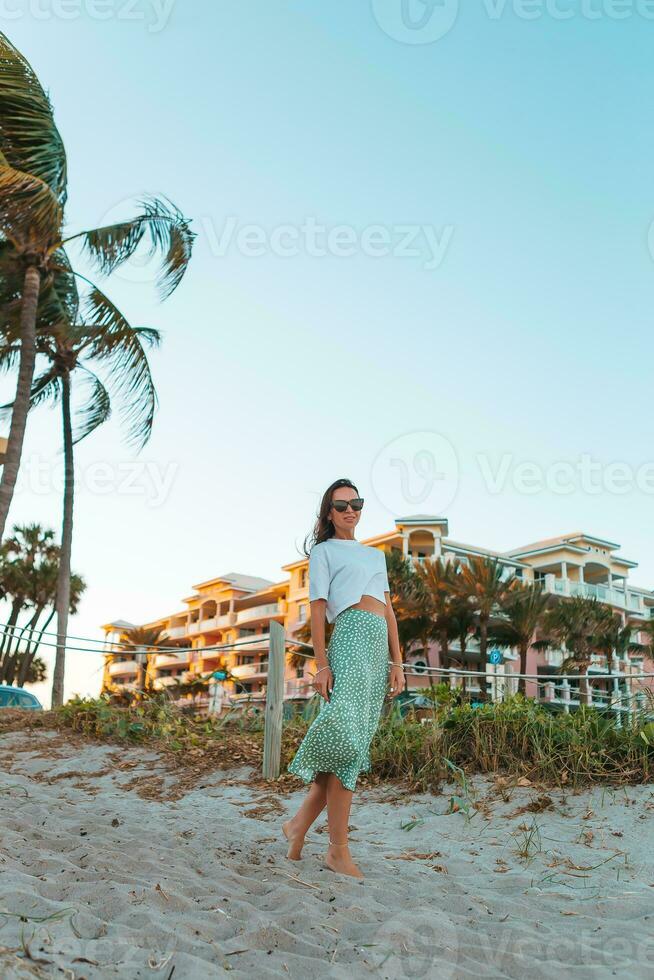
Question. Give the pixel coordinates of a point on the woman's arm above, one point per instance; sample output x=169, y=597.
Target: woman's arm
x=318, y=607
x=393, y=636
x=323, y=681
x=396, y=678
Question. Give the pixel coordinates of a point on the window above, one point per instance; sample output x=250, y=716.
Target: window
x=303, y=578
x=302, y=612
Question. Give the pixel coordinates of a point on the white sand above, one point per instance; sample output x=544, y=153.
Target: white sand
x=193, y=888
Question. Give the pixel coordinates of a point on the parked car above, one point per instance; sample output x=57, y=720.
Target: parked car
x=16, y=697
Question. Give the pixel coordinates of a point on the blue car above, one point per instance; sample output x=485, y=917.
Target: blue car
x=16, y=697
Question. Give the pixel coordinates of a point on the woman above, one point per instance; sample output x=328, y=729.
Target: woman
x=348, y=586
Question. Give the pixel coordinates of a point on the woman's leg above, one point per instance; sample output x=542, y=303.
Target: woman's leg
x=339, y=801
x=314, y=803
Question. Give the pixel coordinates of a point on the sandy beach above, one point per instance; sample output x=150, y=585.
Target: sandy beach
x=108, y=870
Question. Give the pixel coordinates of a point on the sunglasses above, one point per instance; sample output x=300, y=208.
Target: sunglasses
x=356, y=503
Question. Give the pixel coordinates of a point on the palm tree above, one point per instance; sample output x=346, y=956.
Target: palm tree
x=32, y=198
x=616, y=640
x=37, y=672
x=33, y=190
x=464, y=626
x=35, y=636
x=142, y=643
x=24, y=557
x=435, y=598
x=579, y=626
x=483, y=584
x=29, y=565
x=520, y=617
x=119, y=348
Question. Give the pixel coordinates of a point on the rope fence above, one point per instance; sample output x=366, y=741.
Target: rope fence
x=29, y=637
x=554, y=689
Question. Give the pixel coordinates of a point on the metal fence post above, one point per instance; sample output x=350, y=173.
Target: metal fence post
x=272, y=735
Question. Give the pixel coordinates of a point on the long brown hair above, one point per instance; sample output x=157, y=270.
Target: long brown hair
x=324, y=526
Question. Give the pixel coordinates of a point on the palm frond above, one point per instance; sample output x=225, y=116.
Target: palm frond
x=45, y=388
x=120, y=347
x=169, y=235
x=9, y=358
x=96, y=408
x=29, y=138
x=59, y=300
x=29, y=212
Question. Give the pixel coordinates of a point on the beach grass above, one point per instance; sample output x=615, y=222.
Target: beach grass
x=515, y=738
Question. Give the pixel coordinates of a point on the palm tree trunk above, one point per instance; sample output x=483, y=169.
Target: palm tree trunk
x=16, y=607
x=30, y=302
x=463, y=648
x=483, y=646
x=30, y=652
x=522, y=683
x=62, y=603
x=19, y=657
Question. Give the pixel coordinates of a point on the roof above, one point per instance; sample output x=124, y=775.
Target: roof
x=250, y=583
x=421, y=519
x=448, y=543
x=562, y=540
x=120, y=624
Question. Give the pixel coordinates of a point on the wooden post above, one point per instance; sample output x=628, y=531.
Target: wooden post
x=565, y=695
x=617, y=695
x=272, y=735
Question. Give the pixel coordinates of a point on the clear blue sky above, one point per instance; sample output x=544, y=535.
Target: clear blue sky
x=525, y=147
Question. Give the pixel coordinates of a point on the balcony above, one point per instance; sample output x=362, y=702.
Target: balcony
x=259, y=641
x=160, y=682
x=257, y=698
x=123, y=667
x=176, y=631
x=250, y=671
x=171, y=659
x=588, y=590
x=297, y=688
x=257, y=612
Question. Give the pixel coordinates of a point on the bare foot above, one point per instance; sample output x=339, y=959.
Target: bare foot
x=339, y=859
x=295, y=841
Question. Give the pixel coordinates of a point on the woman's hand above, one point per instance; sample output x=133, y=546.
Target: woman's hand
x=396, y=681
x=323, y=682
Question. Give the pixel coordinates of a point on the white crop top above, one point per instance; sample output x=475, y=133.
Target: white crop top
x=342, y=570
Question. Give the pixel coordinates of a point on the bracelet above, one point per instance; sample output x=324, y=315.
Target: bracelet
x=326, y=667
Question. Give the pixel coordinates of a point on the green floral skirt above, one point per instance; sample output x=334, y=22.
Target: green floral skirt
x=338, y=740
